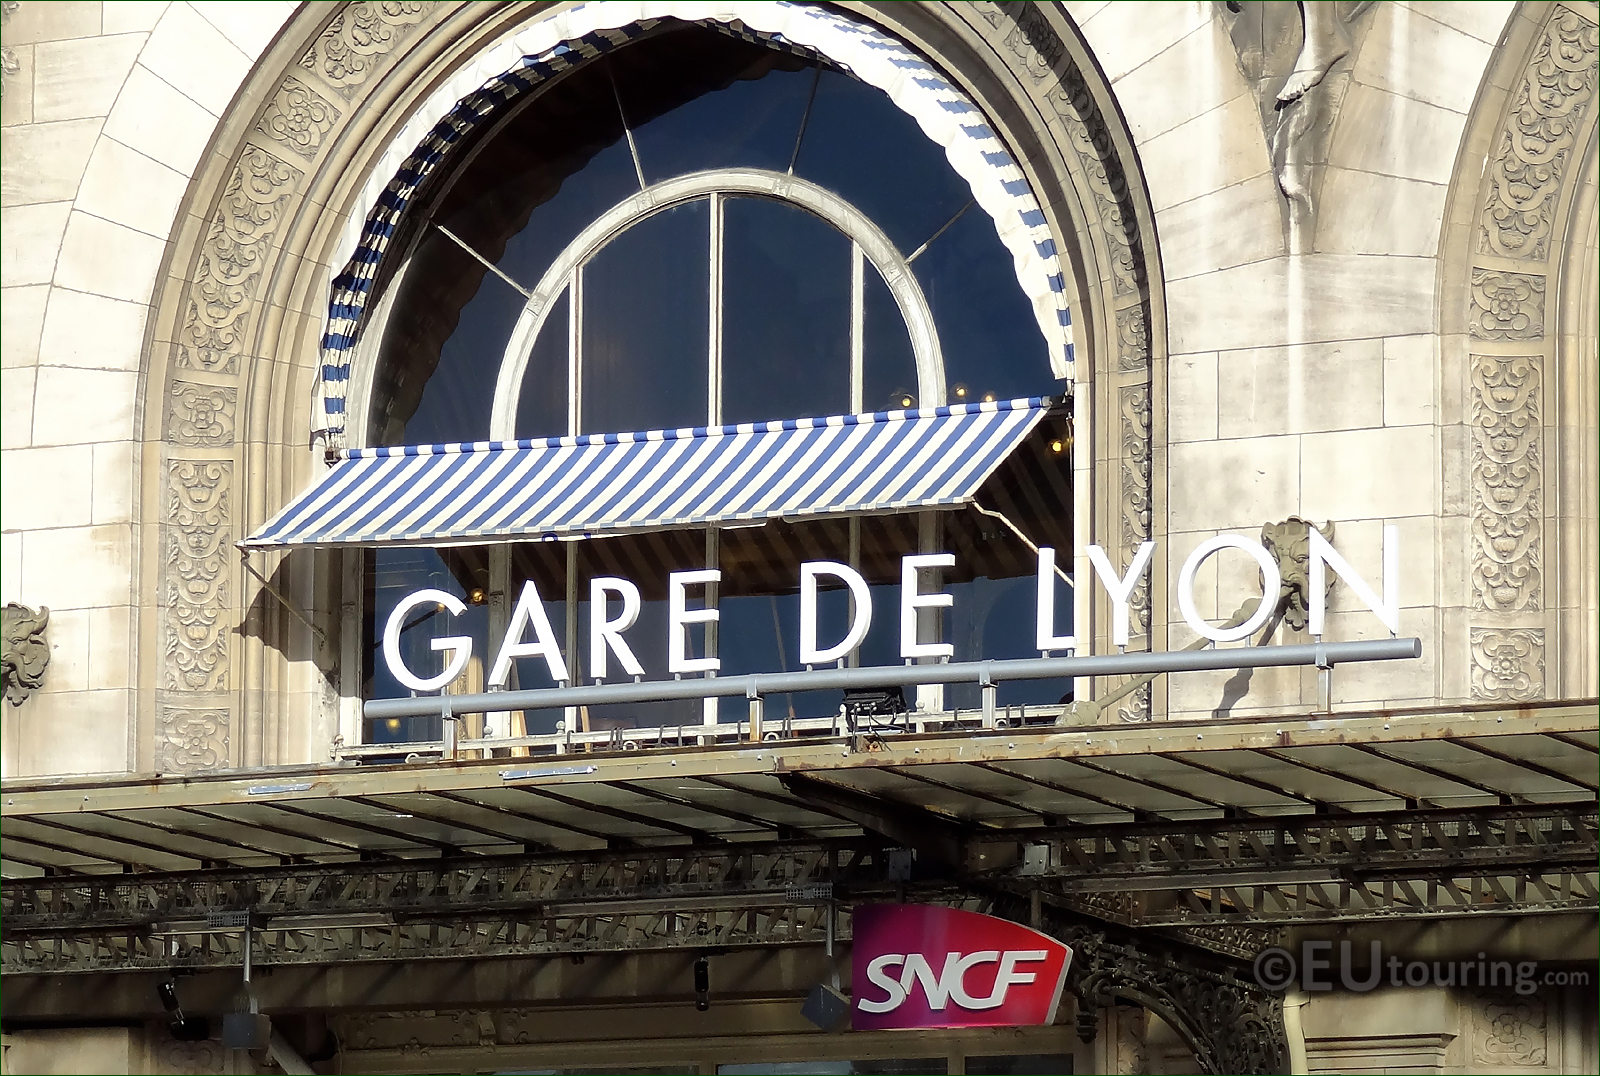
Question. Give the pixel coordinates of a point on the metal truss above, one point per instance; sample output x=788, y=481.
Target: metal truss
x=1211, y=873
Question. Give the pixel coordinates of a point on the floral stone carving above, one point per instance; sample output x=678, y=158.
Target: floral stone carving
x=26, y=653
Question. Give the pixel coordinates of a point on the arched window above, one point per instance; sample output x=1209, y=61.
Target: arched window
x=701, y=228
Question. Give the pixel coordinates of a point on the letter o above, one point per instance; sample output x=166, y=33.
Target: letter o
x=1272, y=581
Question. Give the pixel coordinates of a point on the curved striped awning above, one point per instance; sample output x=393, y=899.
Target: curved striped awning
x=602, y=484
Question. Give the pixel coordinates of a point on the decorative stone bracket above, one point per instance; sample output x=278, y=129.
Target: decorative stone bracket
x=26, y=653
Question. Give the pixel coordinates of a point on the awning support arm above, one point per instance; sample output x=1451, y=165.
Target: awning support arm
x=283, y=599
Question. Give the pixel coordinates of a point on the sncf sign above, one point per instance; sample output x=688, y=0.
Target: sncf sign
x=918, y=966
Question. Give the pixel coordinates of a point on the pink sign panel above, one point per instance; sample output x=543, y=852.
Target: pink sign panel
x=920, y=965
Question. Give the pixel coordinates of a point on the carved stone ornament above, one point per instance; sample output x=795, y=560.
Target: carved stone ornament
x=1508, y=664
x=1290, y=544
x=298, y=117
x=196, y=594
x=192, y=739
x=1511, y=1033
x=202, y=415
x=235, y=251
x=347, y=53
x=1507, y=472
x=1526, y=172
x=1042, y=60
x=1506, y=306
x=27, y=653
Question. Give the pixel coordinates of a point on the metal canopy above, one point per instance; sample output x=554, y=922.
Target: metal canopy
x=1004, y=780
x=1234, y=824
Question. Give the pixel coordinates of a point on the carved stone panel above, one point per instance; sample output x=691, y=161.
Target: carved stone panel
x=1506, y=306
x=201, y=415
x=1530, y=163
x=197, y=518
x=1510, y=1033
x=236, y=249
x=298, y=117
x=355, y=43
x=192, y=739
x=1508, y=664
x=1507, y=473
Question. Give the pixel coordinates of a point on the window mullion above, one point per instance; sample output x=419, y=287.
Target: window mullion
x=858, y=324
x=714, y=314
x=575, y=350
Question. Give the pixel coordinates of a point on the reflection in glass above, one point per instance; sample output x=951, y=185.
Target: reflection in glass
x=888, y=365
x=542, y=406
x=860, y=144
x=986, y=326
x=785, y=313
x=453, y=316
x=645, y=332
x=398, y=572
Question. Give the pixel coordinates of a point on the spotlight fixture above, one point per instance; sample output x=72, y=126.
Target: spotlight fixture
x=702, y=984
x=477, y=596
x=958, y=392
x=184, y=1028
x=902, y=399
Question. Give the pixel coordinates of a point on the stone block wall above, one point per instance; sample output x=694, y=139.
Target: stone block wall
x=109, y=110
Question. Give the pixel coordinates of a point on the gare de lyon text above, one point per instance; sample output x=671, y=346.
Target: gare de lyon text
x=606, y=638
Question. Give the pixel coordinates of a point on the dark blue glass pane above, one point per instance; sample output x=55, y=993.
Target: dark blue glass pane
x=396, y=573
x=646, y=307
x=785, y=313
x=859, y=144
x=750, y=122
x=442, y=349
x=888, y=368
x=991, y=341
x=542, y=404
x=542, y=176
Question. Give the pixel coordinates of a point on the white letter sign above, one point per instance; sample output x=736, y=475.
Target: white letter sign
x=460, y=646
x=529, y=610
x=861, y=611
x=1120, y=590
x=911, y=599
x=680, y=616
x=1045, y=619
x=605, y=632
x=1271, y=581
x=1322, y=553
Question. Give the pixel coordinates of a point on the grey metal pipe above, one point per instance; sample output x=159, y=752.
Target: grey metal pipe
x=756, y=685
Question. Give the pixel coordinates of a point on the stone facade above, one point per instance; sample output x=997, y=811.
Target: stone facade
x=1374, y=305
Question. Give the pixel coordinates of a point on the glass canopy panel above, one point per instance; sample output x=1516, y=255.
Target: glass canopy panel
x=785, y=313
x=645, y=328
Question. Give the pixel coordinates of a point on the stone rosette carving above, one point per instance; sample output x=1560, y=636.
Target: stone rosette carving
x=1507, y=475
x=1508, y=664
x=26, y=652
x=349, y=51
x=237, y=248
x=192, y=739
x=298, y=117
x=196, y=595
x=1526, y=173
x=1511, y=1033
x=202, y=415
x=1506, y=306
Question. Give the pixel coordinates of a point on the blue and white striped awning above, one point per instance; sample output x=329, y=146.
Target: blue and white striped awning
x=481, y=89
x=604, y=484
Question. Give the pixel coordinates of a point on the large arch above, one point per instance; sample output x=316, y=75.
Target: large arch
x=1518, y=369
x=241, y=671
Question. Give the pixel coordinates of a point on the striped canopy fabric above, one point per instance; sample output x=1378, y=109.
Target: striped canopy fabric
x=481, y=91
x=605, y=484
